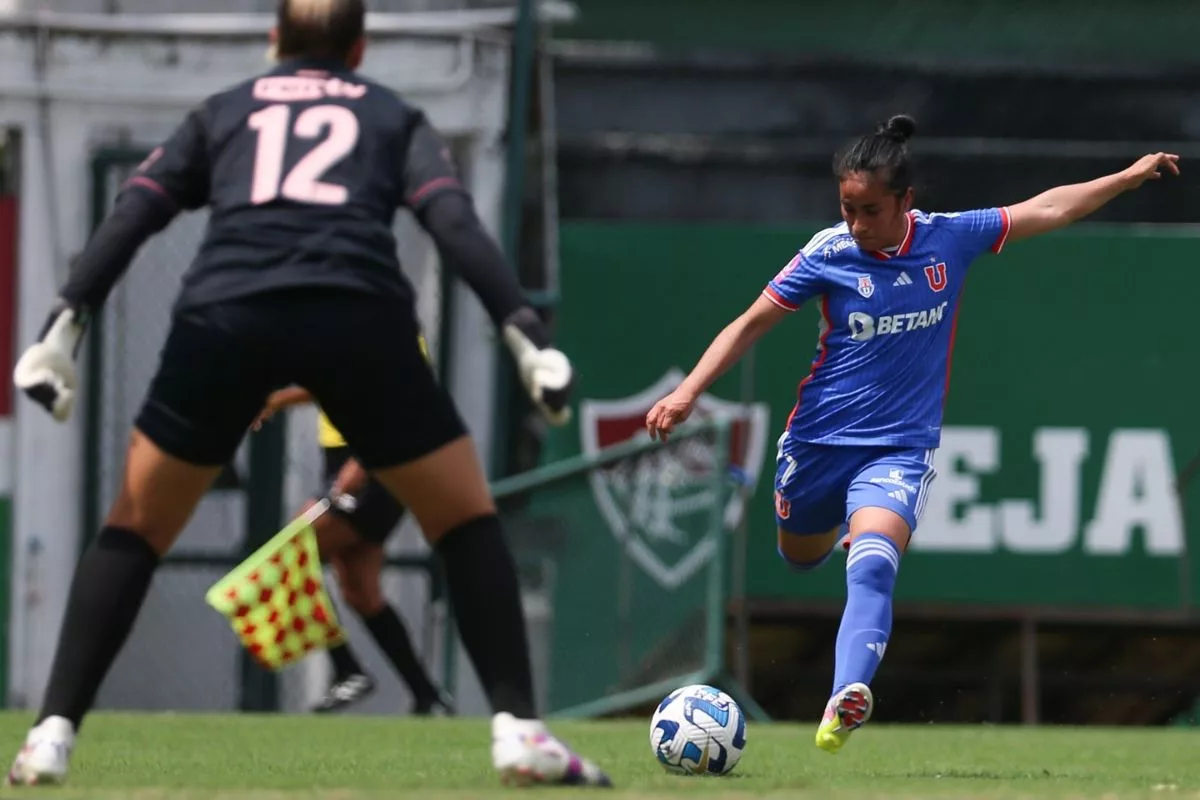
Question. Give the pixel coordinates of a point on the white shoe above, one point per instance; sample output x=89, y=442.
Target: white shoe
x=524, y=752
x=345, y=692
x=46, y=755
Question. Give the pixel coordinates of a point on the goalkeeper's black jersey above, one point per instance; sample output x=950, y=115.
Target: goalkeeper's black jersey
x=302, y=169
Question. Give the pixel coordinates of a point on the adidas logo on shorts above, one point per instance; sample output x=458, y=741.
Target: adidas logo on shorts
x=900, y=495
x=903, y=280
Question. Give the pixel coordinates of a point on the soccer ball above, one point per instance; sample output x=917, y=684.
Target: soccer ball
x=698, y=730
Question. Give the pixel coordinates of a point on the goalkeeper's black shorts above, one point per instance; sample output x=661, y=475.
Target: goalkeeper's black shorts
x=357, y=353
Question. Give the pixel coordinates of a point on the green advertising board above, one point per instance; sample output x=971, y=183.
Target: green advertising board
x=1071, y=407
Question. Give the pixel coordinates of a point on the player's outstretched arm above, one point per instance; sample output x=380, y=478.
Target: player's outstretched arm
x=46, y=371
x=1059, y=207
x=174, y=177
x=725, y=351
x=467, y=248
x=445, y=210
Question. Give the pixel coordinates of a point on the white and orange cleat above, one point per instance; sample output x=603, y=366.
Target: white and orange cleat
x=525, y=753
x=46, y=756
x=845, y=713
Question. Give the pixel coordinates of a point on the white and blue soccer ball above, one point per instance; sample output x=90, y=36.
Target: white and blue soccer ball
x=698, y=730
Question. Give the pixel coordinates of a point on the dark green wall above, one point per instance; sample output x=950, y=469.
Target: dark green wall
x=1055, y=30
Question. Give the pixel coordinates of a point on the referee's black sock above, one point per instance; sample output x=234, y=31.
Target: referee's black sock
x=389, y=633
x=344, y=663
x=106, y=594
x=482, y=578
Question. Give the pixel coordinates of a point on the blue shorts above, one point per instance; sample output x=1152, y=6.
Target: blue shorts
x=818, y=486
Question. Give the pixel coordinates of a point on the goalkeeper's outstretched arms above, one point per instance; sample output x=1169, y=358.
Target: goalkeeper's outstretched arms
x=174, y=177
x=445, y=210
x=46, y=371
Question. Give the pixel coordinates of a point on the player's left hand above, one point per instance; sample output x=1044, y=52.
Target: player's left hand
x=548, y=377
x=1147, y=168
x=545, y=371
x=672, y=410
x=46, y=371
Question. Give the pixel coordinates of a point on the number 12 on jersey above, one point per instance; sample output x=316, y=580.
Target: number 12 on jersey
x=339, y=127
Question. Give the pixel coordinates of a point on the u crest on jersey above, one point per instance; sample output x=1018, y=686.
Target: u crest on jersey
x=936, y=275
x=866, y=287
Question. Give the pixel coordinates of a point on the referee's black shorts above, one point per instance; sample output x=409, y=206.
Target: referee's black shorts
x=357, y=353
x=372, y=511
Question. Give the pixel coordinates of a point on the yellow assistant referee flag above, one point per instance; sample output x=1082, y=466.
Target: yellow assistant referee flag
x=276, y=600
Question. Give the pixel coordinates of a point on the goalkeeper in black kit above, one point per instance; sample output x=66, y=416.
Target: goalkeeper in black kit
x=297, y=283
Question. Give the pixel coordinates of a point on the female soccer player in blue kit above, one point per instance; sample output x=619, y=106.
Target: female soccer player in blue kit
x=858, y=447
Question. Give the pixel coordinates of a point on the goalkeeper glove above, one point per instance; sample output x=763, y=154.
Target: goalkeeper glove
x=546, y=372
x=46, y=371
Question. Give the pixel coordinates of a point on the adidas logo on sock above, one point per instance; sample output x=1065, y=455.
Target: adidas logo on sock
x=877, y=648
x=903, y=280
x=900, y=495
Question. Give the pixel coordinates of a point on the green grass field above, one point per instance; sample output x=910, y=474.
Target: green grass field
x=147, y=757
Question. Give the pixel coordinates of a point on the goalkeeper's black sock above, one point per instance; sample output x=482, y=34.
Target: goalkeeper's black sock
x=344, y=663
x=106, y=594
x=390, y=634
x=482, y=578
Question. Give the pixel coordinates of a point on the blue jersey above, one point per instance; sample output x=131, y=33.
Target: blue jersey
x=886, y=330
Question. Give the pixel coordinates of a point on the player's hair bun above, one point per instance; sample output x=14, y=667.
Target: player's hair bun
x=899, y=128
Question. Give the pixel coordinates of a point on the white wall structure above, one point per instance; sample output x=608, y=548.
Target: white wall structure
x=78, y=83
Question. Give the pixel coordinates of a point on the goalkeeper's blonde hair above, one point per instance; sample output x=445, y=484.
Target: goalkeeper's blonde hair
x=318, y=28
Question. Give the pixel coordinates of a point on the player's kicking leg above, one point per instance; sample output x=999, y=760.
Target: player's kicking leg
x=810, y=509
x=884, y=502
x=877, y=537
x=158, y=494
x=851, y=704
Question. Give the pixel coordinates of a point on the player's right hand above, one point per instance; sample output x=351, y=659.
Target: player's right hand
x=46, y=371
x=672, y=410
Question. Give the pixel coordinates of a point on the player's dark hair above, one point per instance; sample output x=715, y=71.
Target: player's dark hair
x=884, y=152
x=319, y=28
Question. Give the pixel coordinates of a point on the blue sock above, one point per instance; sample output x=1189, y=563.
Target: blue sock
x=867, y=619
